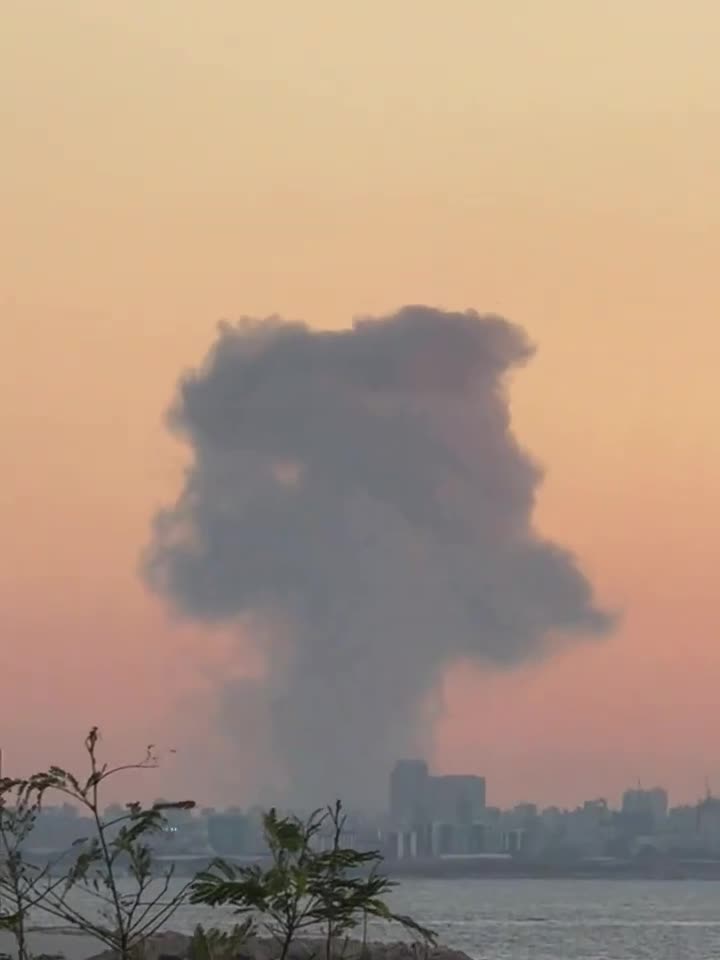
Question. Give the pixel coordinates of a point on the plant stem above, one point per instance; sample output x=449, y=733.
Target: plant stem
x=94, y=806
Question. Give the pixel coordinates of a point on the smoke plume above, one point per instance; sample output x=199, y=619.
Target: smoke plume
x=360, y=492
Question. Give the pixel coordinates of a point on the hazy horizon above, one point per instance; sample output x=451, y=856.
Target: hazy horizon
x=165, y=170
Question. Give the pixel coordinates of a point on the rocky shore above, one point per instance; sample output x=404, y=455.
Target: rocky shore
x=61, y=944
x=176, y=946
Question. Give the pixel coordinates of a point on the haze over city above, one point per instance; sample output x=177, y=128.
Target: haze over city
x=161, y=174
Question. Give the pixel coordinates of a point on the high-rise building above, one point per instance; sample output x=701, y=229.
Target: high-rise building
x=416, y=798
x=646, y=805
x=458, y=799
x=708, y=824
x=408, y=793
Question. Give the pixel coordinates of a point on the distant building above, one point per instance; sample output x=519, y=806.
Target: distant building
x=644, y=811
x=589, y=828
x=478, y=840
x=436, y=816
x=444, y=840
x=708, y=824
x=409, y=793
x=457, y=799
x=418, y=798
x=229, y=834
x=447, y=817
x=654, y=801
x=683, y=830
x=515, y=841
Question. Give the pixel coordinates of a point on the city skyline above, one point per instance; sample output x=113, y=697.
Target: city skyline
x=435, y=819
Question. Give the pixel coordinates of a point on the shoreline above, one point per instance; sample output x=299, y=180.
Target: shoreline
x=510, y=868
x=492, y=867
x=59, y=943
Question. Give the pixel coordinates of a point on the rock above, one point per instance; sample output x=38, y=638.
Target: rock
x=175, y=946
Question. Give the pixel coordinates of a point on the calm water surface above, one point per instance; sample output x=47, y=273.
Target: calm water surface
x=553, y=920
x=571, y=920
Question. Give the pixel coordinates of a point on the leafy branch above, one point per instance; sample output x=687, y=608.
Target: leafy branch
x=23, y=885
x=304, y=886
x=120, y=844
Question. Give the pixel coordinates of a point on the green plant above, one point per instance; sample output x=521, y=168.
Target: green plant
x=127, y=917
x=219, y=944
x=304, y=887
x=349, y=888
x=23, y=885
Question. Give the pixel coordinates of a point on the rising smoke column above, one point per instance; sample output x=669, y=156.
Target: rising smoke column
x=362, y=488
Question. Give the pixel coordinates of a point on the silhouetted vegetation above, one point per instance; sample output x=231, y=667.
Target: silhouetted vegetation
x=306, y=886
x=313, y=882
x=219, y=944
x=123, y=918
x=23, y=885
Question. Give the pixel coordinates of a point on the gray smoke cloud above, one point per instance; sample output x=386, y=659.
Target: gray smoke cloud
x=361, y=492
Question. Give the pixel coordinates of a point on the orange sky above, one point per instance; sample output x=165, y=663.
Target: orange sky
x=170, y=163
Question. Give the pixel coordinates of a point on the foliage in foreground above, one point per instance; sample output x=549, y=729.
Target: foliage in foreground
x=127, y=913
x=22, y=884
x=216, y=944
x=314, y=882
x=305, y=886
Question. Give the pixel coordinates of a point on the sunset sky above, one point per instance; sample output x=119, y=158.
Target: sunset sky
x=169, y=163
